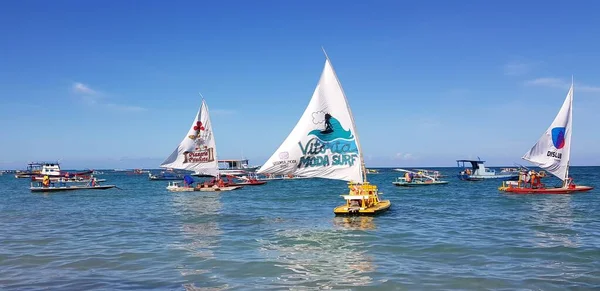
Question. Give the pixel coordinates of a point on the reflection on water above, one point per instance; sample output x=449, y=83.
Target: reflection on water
x=319, y=259
x=200, y=230
x=355, y=222
x=553, y=216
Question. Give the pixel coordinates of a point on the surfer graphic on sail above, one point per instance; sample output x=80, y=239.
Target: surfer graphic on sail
x=328, y=128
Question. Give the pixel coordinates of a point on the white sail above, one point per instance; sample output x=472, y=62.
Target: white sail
x=553, y=150
x=197, y=151
x=324, y=142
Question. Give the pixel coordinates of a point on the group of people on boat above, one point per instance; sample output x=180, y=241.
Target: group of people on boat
x=408, y=176
x=467, y=172
x=531, y=178
x=214, y=182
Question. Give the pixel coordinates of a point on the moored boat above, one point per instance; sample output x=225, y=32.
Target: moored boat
x=165, y=176
x=479, y=172
x=552, y=152
x=324, y=144
x=47, y=186
x=416, y=179
x=76, y=179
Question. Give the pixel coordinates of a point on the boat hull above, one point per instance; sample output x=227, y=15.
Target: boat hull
x=153, y=178
x=203, y=189
x=249, y=183
x=520, y=190
x=404, y=184
x=486, y=177
x=382, y=206
x=69, y=188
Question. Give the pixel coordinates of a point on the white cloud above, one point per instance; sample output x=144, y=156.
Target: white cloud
x=404, y=156
x=548, y=82
x=518, y=68
x=94, y=98
x=585, y=88
x=83, y=89
x=560, y=83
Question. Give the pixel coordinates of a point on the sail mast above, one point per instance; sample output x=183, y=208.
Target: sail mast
x=215, y=157
x=565, y=181
x=360, y=152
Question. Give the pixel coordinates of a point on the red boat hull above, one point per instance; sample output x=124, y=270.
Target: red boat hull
x=247, y=183
x=576, y=189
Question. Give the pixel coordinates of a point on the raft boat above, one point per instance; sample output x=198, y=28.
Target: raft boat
x=416, y=179
x=363, y=199
x=39, y=187
x=177, y=187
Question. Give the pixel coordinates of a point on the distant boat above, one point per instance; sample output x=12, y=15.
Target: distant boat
x=51, y=169
x=236, y=167
x=69, y=188
x=552, y=152
x=324, y=144
x=416, y=179
x=479, y=172
x=47, y=186
x=197, y=152
x=372, y=171
x=165, y=175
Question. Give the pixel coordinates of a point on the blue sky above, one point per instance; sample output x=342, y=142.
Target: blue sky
x=115, y=83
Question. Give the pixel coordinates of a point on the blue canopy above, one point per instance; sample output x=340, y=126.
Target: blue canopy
x=188, y=179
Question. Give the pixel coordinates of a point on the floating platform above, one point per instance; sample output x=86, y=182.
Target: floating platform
x=557, y=190
x=70, y=188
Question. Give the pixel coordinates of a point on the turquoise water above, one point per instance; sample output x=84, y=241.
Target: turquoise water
x=283, y=235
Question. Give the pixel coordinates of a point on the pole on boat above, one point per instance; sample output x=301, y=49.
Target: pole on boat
x=572, y=89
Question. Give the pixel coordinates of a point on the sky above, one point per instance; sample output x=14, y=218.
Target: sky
x=114, y=84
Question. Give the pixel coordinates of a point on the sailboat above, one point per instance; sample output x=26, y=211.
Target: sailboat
x=197, y=152
x=552, y=152
x=324, y=144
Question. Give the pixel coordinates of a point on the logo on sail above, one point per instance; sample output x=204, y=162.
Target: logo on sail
x=558, y=140
x=201, y=152
x=558, y=137
x=331, y=145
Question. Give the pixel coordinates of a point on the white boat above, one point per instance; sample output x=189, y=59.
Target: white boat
x=236, y=167
x=197, y=152
x=39, y=169
x=324, y=144
x=478, y=171
x=416, y=179
x=551, y=152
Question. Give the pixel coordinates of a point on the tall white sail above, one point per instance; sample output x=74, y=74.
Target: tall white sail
x=324, y=142
x=553, y=150
x=197, y=151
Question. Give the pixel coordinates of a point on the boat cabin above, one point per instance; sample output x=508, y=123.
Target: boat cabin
x=50, y=169
x=235, y=167
x=477, y=168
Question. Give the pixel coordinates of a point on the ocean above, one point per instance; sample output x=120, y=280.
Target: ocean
x=284, y=236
